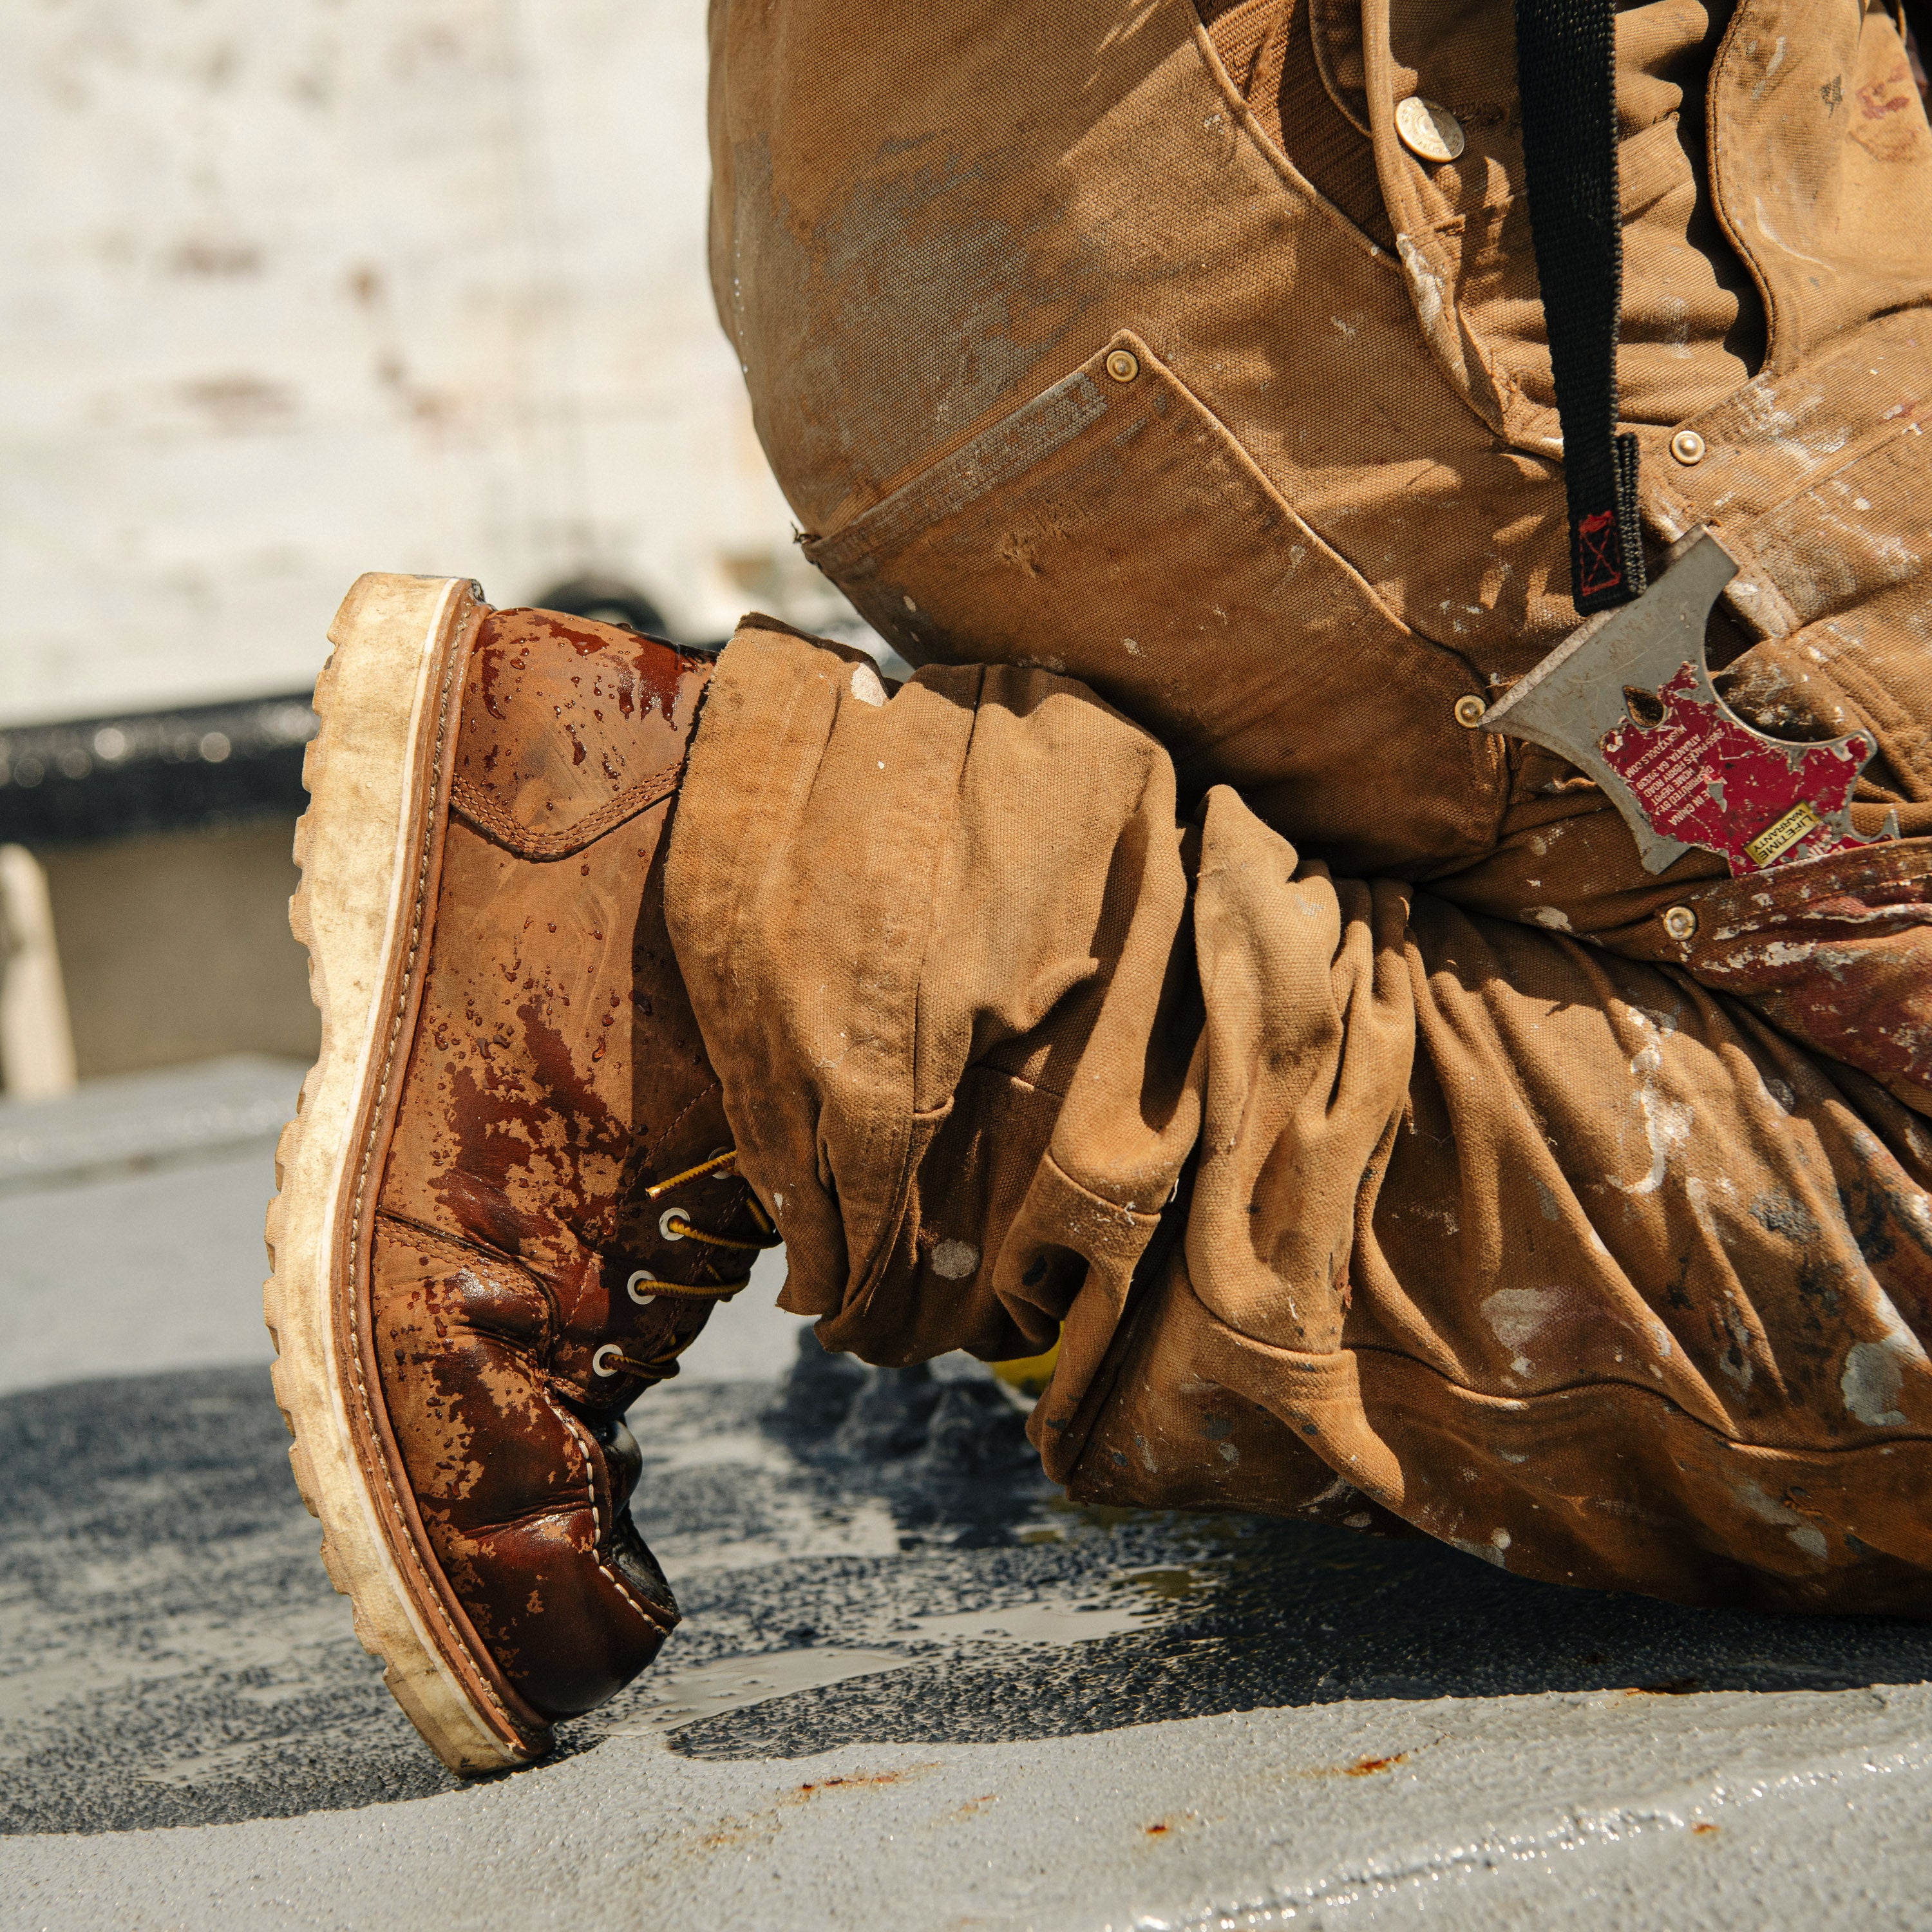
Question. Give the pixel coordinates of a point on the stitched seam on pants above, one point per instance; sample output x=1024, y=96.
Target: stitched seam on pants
x=1721, y=421
x=1782, y=538
x=1012, y=446
x=1140, y=1217
x=1581, y=1387
x=992, y=1069
x=878, y=1262
x=1278, y=162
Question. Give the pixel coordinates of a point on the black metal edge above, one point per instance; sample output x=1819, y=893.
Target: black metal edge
x=112, y=777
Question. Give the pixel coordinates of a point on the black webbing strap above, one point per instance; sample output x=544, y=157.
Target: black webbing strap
x=1566, y=80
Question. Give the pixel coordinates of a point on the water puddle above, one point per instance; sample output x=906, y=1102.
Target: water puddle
x=673, y=1699
x=668, y=1700
x=1039, y=1623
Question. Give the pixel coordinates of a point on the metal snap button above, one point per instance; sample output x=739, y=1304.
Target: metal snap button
x=1687, y=446
x=1681, y=923
x=608, y=1361
x=1123, y=365
x=643, y=1289
x=1428, y=130
x=1469, y=711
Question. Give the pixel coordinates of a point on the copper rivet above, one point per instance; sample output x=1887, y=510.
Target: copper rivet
x=1687, y=446
x=1681, y=923
x=1123, y=365
x=1428, y=130
x=1469, y=710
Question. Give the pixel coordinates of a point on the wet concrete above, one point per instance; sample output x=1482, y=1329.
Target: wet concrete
x=171, y=1653
x=914, y=1687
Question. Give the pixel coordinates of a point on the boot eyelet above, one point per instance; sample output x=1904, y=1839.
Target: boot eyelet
x=642, y=1288
x=672, y=1224
x=608, y=1361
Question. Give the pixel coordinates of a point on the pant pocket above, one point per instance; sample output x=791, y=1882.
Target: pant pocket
x=1112, y=529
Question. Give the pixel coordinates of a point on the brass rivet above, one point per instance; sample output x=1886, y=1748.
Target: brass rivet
x=1469, y=710
x=1428, y=130
x=1681, y=923
x=1687, y=446
x=1123, y=365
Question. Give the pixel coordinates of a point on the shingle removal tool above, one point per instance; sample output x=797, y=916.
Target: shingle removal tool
x=1627, y=699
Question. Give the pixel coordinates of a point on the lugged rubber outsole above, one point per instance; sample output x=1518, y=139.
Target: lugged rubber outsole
x=377, y=777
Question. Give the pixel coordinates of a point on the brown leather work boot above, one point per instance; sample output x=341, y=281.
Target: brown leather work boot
x=508, y=1200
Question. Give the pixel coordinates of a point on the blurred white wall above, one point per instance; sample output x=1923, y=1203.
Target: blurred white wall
x=294, y=288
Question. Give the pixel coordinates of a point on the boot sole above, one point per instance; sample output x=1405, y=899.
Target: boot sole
x=378, y=775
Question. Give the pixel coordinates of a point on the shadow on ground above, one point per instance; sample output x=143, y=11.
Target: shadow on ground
x=171, y=1653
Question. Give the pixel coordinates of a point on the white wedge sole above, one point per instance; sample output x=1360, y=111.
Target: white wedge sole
x=369, y=849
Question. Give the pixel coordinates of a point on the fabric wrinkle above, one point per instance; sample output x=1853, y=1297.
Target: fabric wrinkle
x=1323, y=1072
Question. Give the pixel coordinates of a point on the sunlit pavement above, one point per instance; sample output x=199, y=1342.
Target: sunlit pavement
x=913, y=1689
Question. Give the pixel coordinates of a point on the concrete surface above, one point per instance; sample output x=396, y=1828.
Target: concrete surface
x=914, y=1687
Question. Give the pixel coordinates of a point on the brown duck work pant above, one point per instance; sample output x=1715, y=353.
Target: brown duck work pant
x=1165, y=961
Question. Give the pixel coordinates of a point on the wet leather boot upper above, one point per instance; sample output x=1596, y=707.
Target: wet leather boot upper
x=558, y=1212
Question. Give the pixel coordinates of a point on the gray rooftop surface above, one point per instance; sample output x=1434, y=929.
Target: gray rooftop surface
x=915, y=1688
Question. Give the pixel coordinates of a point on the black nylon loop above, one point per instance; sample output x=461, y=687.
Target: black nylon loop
x=1566, y=81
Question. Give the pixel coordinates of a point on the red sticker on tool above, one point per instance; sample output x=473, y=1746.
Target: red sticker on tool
x=1703, y=777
